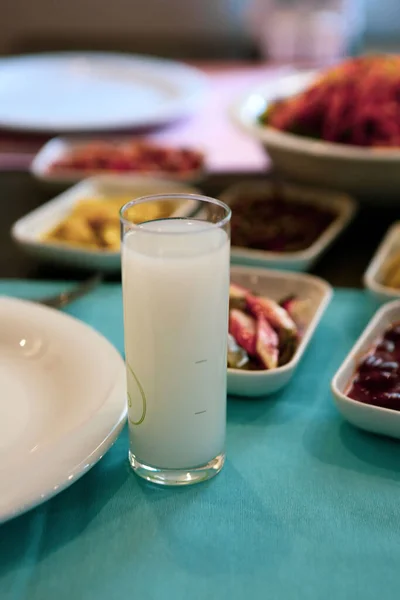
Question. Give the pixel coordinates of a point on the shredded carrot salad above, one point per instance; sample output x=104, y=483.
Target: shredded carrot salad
x=355, y=103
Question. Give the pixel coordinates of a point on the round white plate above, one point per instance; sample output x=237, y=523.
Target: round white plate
x=94, y=91
x=62, y=402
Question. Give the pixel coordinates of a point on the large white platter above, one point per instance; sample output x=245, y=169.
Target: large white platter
x=62, y=402
x=91, y=91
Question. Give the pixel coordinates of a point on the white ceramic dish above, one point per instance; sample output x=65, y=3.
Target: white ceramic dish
x=342, y=205
x=89, y=91
x=378, y=420
x=56, y=148
x=277, y=285
x=62, y=402
x=357, y=170
x=28, y=230
x=373, y=275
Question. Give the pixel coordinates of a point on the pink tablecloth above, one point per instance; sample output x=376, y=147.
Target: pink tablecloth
x=227, y=148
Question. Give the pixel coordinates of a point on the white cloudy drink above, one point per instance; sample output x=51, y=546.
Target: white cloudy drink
x=176, y=293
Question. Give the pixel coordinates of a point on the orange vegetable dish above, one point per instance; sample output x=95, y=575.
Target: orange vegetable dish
x=355, y=103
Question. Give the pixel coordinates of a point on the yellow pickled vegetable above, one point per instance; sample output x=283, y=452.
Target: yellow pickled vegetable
x=93, y=223
x=391, y=271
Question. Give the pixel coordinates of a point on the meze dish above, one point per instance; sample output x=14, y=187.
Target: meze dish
x=263, y=334
x=309, y=297
x=81, y=226
x=270, y=221
x=285, y=226
x=93, y=222
x=355, y=103
x=126, y=156
x=376, y=380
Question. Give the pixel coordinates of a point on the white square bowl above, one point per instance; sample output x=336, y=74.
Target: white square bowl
x=375, y=419
x=374, y=273
x=28, y=231
x=277, y=285
x=340, y=204
x=56, y=148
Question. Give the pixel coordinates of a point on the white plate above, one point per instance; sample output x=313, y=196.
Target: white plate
x=28, y=230
x=277, y=285
x=371, y=418
x=76, y=91
x=62, y=402
x=56, y=148
x=373, y=173
x=373, y=275
x=341, y=204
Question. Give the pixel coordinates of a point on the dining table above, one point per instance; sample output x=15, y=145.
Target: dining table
x=306, y=506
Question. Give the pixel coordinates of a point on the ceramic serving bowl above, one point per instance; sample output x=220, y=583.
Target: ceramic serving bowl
x=370, y=173
x=342, y=205
x=57, y=148
x=277, y=285
x=28, y=231
x=375, y=419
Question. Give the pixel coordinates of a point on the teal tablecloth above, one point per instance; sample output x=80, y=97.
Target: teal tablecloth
x=307, y=507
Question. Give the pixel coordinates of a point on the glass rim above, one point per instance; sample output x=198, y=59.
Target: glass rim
x=176, y=196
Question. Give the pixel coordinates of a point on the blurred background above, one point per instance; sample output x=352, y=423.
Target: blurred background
x=197, y=29
x=211, y=106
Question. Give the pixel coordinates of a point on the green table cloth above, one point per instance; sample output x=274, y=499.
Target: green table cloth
x=306, y=507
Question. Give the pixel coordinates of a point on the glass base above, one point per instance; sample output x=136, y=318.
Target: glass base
x=177, y=476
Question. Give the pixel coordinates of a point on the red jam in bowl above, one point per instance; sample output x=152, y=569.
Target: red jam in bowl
x=377, y=378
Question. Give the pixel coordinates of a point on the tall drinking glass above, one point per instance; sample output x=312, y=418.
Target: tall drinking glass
x=175, y=276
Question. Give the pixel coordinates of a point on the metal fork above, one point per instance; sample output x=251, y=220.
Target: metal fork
x=64, y=298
